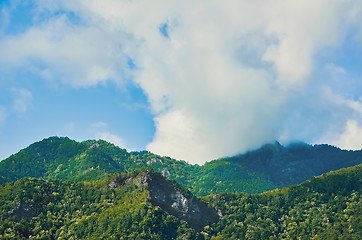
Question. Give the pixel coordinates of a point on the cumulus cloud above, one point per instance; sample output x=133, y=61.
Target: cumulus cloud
x=77, y=55
x=22, y=99
x=226, y=76
x=351, y=138
x=112, y=138
x=101, y=132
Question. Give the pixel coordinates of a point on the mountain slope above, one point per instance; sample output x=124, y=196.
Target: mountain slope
x=324, y=207
x=267, y=168
x=296, y=163
x=137, y=206
x=60, y=158
x=66, y=159
x=141, y=204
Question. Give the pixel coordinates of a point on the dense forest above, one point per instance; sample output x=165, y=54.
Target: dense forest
x=270, y=167
x=324, y=207
x=62, y=189
x=129, y=206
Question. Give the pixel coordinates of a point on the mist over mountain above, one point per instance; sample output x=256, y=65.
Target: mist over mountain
x=297, y=162
x=210, y=90
x=272, y=166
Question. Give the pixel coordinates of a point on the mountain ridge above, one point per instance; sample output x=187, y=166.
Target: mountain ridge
x=122, y=205
x=53, y=209
x=269, y=167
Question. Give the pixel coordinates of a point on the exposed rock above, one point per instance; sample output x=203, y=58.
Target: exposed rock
x=165, y=172
x=177, y=203
x=143, y=180
x=153, y=160
x=95, y=145
x=119, y=182
x=219, y=212
x=180, y=202
x=23, y=210
x=113, y=184
x=216, y=196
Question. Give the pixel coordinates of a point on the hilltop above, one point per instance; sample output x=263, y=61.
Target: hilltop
x=141, y=204
x=270, y=167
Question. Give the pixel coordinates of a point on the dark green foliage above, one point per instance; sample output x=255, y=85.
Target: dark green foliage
x=325, y=207
x=270, y=167
x=87, y=210
x=296, y=163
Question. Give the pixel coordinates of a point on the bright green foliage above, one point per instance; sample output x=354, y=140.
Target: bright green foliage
x=66, y=159
x=326, y=207
x=59, y=158
x=224, y=176
x=87, y=210
x=267, y=168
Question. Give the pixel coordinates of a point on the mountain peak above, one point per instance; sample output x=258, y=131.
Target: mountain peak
x=266, y=168
x=172, y=198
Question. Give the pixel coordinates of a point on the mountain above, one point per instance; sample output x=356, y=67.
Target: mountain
x=324, y=207
x=66, y=159
x=296, y=163
x=138, y=205
x=143, y=204
x=267, y=168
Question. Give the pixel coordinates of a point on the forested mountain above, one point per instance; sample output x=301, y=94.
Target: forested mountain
x=122, y=206
x=296, y=163
x=267, y=168
x=142, y=204
x=324, y=207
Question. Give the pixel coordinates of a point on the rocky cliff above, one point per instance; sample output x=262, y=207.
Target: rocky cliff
x=173, y=199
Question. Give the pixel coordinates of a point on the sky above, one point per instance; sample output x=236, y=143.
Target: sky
x=193, y=80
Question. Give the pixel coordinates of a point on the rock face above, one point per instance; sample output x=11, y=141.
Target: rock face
x=22, y=210
x=153, y=160
x=176, y=202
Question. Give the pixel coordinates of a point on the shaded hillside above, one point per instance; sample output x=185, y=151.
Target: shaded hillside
x=129, y=206
x=296, y=163
x=257, y=171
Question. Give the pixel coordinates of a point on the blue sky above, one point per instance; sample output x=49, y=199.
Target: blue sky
x=194, y=80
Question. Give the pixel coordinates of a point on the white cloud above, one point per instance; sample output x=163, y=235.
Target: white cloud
x=79, y=56
x=22, y=99
x=351, y=138
x=100, y=131
x=109, y=137
x=301, y=29
x=230, y=76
